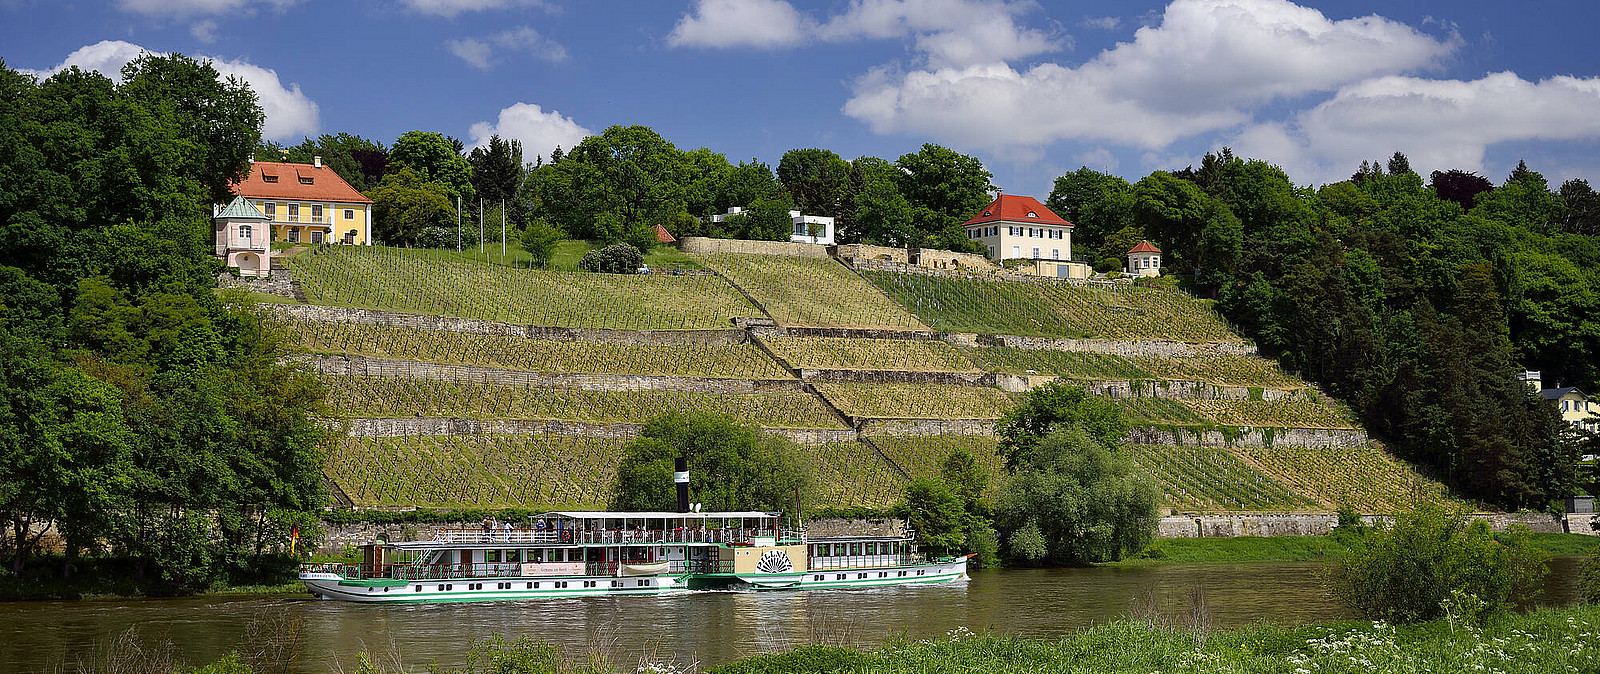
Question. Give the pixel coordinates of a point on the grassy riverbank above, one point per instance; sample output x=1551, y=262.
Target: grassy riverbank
x=1552, y=640
x=1247, y=549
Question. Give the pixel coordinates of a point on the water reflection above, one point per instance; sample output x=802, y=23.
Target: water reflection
x=707, y=628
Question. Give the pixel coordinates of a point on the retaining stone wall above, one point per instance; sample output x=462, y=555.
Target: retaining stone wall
x=395, y=427
x=906, y=428
x=943, y=259
x=1160, y=348
x=1251, y=437
x=1318, y=524
x=475, y=326
x=865, y=253
x=848, y=333
x=363, y=366
x=1188, y=390
x=704, y=245
x=280, y=283
x=899, y=377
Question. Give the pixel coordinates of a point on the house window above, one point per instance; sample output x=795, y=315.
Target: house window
x=269, y=178
x=1055, y=253
x=294, y=234
x=1016, y=251
x=1032, y=214
x=1036, y=253
x=271, y=209
x=244, y=233
x=350, y=236
x=316, y=212
x=316, y=237
x=294, y=212
x=349, y=214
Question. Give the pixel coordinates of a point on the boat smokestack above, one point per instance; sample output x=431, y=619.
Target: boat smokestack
x=680, y=476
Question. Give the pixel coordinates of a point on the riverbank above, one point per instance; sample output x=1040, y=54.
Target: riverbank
x=1547, y=640
x=1249, y=549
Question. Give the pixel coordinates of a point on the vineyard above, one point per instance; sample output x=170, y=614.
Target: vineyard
x=394, y=279
x=1046, y=308
x=1365, y=478
x=476, y=471
x=803, y=291
x=850, y=474
x=920, y=457
x=834, y=353
x=519, y=353
x=1223, y=370
x=1211, y=479
x=397, y=397
x=917, y=401
x=1272, y=413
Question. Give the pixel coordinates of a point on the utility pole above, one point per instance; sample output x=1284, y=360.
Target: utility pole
x=502, y=230
x=458, y=223
x=480, y=224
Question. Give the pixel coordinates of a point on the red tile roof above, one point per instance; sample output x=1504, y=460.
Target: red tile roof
x=1013, y=208
x=325, y=185
x=1144, y=247
x=662, y=235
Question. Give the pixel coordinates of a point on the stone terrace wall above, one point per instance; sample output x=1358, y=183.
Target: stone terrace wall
x=899, y=377
x=1160, y=348
x=703, y=245
x=864, y=252
x=396, y=427
x=907, y=428
x=1187, y=390
x=1250, y=437
x=280, y=283
x=944, y=259
x=1319, y=524
x=474, y=326
x=848, y=333
x=363, y=366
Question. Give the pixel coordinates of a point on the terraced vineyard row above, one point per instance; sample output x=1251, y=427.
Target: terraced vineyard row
x=477, y=471
x=1365, y=478
x=920, y=457
x=518, y=353
x=377, y=277
x=851, y=474
x=1255, y=413
x=1212, y=479
x=1046, y=308
x=395, y=397
x=803, y=291
x=917, y=401
x=834, y=353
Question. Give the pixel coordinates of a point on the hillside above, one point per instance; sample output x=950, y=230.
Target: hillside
x=474, y=384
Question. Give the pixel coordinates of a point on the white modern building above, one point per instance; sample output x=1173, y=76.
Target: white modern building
x=805, y=228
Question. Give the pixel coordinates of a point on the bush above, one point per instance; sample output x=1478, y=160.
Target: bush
x=1075, y=501
x=617, y=258
x=731, y=466
x=445, y=237
x=539, y=239
x=1432, y=562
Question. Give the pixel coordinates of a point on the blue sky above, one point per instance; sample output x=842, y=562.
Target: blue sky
x=1033, y=88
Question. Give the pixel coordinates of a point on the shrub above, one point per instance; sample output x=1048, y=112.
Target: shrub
x=1433, y=561
x=731, y=466
x=539, y=240
x=1074, y=501
x=617, y=258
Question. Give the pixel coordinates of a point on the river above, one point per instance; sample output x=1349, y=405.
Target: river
x=704, y=628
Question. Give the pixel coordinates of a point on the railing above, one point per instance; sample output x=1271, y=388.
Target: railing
x=608, y=536
x=448, y=571
x=702, y=566
x=865, y=561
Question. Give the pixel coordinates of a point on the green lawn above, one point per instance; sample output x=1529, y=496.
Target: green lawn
x=1305, y=548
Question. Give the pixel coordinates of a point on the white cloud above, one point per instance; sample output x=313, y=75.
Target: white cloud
x=1202, y=69
x=1439, y=124
x=188, y=8
x=204, y=31
x=539, y=131
x=455, y=7
x=948, y=32
x=764, y=24
x=290, y=113
x=480, y=52
x=1102, y=22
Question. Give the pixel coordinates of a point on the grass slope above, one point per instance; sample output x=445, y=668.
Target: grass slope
x=376, y=277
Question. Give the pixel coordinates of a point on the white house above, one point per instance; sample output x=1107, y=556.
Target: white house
x=1013, y=227
x=806, y=228
x=1144, y=260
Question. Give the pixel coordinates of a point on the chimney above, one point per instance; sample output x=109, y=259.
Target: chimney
x=317, y=161
x=680, y=476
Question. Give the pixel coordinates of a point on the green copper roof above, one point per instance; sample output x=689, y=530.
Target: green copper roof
x=242, y=209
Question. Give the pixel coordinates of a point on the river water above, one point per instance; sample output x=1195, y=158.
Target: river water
x=704, y=628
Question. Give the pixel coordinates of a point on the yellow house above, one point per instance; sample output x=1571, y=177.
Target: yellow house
x=307, y=203
x=1574, y=405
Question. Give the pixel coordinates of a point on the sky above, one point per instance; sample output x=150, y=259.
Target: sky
x=1034, y=89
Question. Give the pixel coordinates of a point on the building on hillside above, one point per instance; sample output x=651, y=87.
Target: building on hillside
x=664, y=236
x=1144, y=260
x=307, y=203
x=1015, y=227
x=816, y=229
x=241, y=237
x=1574, y=405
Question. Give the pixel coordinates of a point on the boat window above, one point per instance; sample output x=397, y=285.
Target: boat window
x=419, y=588
x=491, y=555
x=530, y=585
x=855, y=548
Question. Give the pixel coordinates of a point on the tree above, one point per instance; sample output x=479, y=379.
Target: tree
x=944, y=187
x=1076, y=501
x=1462, y=187
x=618, y=258
x=405, y=206
x=630, y=172
x=1582, y=212
x=1099, y=204
x=731, y=466
x=540, y=239
x=359, y=161
x=1054, y=407
x=434, y=158
x=497, y=169
x=881, y=214
x=966, y=477
x=935, y=512
x=1399, y=164
x=818, y=181
x=766, y=220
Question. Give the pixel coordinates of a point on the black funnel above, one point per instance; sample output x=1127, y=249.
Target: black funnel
x=680, y=476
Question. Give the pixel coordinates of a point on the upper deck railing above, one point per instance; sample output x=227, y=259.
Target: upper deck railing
x=609, y=536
